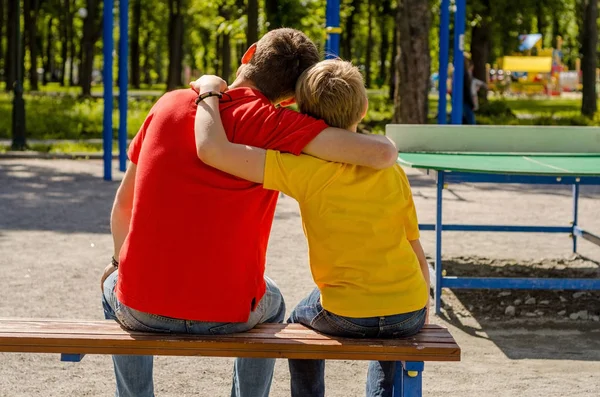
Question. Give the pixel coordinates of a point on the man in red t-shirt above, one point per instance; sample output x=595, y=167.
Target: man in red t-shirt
x=190, y=241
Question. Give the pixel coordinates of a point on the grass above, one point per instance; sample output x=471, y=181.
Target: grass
x=66, y=117
x=63, y=147
x=58, y=113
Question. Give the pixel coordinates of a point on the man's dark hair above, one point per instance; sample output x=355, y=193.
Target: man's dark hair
x=281, y=56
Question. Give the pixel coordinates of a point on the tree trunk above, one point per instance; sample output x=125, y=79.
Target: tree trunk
x=91, y=32
x=273, y=14
x=72, y=50
x=175, y=37
x=224, y=46
x=252, y=32
x=146, y=66
x=18, y=105
x=480, y=46
x=414, y=62
x=47, y=76
x=136, y=18
x=394, y=64
x=348, y=32
x=1, y=29
x=30, y=11
x=226, y=56
x=64, y=42
x=369, y=49
x=589, y=104
x=540, y=16
x=11, y=45
x=385, y=42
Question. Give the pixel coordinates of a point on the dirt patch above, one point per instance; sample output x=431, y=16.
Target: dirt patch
x=500, y=305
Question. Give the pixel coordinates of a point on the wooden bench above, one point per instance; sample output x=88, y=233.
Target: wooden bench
x=74, y=339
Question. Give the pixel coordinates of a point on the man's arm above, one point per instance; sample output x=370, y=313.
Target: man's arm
x=120, y=216
x=335, y=144
x=418, y=249
x=212, y=144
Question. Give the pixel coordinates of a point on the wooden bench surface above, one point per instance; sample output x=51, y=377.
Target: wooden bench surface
x=433, y=343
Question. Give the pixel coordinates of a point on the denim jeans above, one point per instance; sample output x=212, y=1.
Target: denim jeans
x=468, y=115
x=308, y=376
x=251, y=377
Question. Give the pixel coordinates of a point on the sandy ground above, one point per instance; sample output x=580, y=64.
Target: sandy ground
x=54, y=242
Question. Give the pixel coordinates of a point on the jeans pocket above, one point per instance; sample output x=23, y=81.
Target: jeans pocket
x=332, y=324
x=409, y=326
x=229, y=328
x=134, y=321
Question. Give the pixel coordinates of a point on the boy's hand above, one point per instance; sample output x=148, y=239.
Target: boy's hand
x=209, y=83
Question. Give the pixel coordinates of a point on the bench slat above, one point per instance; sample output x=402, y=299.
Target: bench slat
x=268, y=340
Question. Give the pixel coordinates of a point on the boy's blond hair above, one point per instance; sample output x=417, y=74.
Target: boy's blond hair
x=334, y=91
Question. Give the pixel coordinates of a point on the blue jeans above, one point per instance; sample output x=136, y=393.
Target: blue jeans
x=251, y=377
x=468, y=115
x=308, y=376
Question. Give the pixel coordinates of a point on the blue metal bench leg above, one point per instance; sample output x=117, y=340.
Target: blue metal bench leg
x=73, y=358
x=438, y=243
x=408, y=381
x=575, y=210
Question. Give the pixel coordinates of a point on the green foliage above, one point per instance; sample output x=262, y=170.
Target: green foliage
x=67, y=117
x=496, y=109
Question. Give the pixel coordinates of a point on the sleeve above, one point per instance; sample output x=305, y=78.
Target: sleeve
x=135, y=147
x=288, y=174
x=295, y=131
x=411, y=223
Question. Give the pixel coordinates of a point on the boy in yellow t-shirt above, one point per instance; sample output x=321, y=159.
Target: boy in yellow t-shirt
x=361, y=224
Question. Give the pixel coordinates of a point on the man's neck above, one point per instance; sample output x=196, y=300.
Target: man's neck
x=242, y=82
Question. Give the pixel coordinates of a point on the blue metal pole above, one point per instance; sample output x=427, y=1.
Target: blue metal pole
x=108, y=89
x=575, y=211
x=438, y=242
x=333, y=29
x=123, y=76
x=459, y=62
x=444, y=55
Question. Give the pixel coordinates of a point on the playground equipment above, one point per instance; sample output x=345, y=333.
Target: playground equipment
x=534, y=70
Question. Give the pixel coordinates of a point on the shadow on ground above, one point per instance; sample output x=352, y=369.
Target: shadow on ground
x=44, y=198
x=542, y=326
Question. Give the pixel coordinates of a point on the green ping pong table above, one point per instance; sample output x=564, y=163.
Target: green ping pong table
x=421, y=147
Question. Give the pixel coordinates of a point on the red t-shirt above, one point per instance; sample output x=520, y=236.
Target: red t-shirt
x=198, y=237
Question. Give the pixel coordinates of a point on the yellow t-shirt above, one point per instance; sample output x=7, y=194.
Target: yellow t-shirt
x=358, y=223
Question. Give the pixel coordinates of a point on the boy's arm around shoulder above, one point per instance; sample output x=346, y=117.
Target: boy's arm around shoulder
x=213, y=146
x=342, y=146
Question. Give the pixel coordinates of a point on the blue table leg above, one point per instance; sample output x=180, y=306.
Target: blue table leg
x=438, y=242
x=575, y=210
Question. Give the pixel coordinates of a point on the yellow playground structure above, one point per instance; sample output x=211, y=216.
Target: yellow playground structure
x=534, y=70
